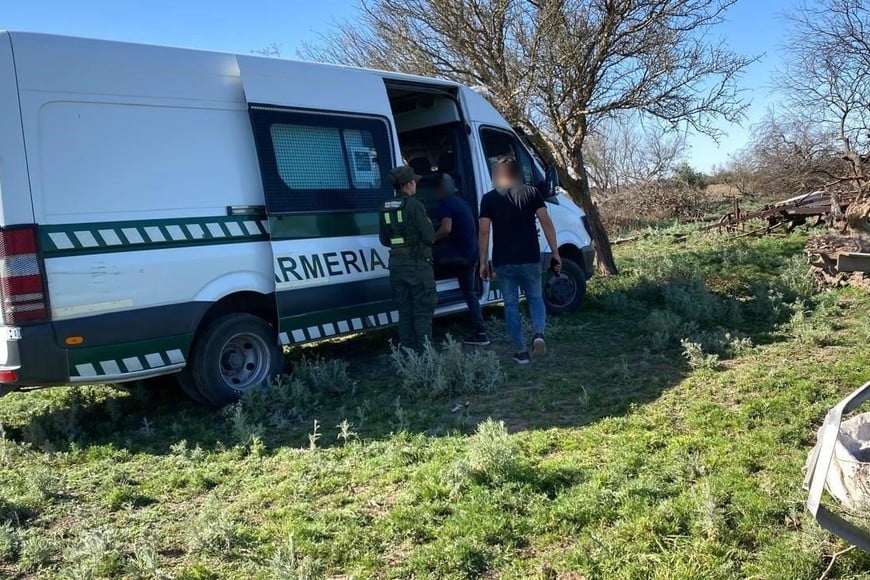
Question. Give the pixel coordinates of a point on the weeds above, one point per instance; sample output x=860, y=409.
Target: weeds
x=287, y=564
x=325, y=376
x=97, y=553
x=213, y=533
x=314, y=436
x=697, y=358
x=452, y=371
x=808, y=329
x=37, y=550
x=795, y=280
x=281, y=405
x=8, y=542
x=491, y=457
x=345, y=431
x=145, y=562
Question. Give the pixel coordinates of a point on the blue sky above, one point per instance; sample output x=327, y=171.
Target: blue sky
x=753, y=27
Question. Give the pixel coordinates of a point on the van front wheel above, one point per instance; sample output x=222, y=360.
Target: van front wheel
x=564, y=294
x=234, y=354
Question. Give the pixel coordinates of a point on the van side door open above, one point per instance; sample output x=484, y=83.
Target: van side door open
x=434, y=140
x=325, y=171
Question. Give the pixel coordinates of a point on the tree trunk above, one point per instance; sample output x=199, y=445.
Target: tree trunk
x=579, y=190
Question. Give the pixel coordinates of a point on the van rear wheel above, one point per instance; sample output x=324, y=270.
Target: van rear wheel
x=234, y=354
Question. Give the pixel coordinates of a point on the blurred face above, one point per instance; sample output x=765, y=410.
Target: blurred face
x=502, y=177
x=410, y=188
x=442, y=192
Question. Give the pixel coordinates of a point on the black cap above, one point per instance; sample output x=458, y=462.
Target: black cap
x=402, y=175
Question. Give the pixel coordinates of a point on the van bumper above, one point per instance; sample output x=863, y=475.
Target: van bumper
x=32, y=353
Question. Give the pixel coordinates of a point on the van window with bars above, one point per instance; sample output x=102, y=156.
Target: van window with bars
x=313, y=162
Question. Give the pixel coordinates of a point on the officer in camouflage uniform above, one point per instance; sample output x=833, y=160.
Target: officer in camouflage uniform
x=405, y=229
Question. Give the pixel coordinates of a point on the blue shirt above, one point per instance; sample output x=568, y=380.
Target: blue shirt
x=463, y=235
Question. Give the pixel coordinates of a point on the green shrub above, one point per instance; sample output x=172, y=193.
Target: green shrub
x=8, y=542
x=145, y=562
x=288, y=564
x=691, y=299
x=795, y=280
x=325, y=376
x=766, y=304
x=213, y=532
x=36, y=550
x=697, y=358
x=491, y=457
x=665, y=328
x=615, y=302
x=282, y=404
x=96, y=553
x=451, y=371
x=808, y=329
x=721, y=342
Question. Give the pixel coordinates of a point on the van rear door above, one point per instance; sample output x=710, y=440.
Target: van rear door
x=325, y=144
x=15, y=205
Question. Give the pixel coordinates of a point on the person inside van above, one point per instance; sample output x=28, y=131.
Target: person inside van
x=455, y=250
x=510, y=211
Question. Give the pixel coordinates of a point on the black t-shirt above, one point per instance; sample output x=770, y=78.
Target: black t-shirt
x=514, y=229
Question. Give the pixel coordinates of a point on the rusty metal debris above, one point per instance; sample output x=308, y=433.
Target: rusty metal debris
x=816, y=206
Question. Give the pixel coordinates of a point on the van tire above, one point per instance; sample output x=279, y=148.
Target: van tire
x=188, y=387
x=233, y=354
x=564, y=294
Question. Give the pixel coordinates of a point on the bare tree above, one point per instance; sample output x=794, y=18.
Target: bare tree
x=558, y=68
x=633, y=167
x=624, y=151
x=826, y=84
x=790, y=156
x=273, y=50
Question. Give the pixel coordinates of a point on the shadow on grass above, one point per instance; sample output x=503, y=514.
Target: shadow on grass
x=621, y=351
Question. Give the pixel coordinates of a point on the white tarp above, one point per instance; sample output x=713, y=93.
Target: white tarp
x=848, y=478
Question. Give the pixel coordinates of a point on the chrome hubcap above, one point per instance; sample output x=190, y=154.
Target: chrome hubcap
x=560, y=290
x=244, y=361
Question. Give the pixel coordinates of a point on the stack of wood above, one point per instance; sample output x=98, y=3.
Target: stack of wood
x=843, y=258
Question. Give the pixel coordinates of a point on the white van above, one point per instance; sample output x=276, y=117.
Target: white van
x=165, y=210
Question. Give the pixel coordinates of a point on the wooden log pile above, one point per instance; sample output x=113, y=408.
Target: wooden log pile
x=842, y=257
x=838, y=258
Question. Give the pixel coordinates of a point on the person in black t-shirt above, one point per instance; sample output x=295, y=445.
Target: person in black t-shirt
x=455, y=251
x=510, y=211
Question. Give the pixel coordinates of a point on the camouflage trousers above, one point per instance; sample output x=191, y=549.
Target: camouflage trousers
x=413, y=284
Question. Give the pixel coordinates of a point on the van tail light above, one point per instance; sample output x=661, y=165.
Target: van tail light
x=21, y=278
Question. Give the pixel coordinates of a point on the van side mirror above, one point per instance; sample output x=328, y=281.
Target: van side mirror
x=552, y=181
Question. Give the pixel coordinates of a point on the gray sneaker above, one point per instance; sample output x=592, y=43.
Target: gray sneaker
x=523, y=357
x=539, y=345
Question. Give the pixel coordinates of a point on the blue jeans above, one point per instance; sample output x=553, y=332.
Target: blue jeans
x=512, y=278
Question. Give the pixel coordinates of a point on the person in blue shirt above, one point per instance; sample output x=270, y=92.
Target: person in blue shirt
x=456, y=251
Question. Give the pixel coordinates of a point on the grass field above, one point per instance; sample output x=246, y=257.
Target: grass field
x=663, y=437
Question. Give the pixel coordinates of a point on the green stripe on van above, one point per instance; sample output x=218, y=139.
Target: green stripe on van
x=128, y=358
x=338, y=321
x=126, y=236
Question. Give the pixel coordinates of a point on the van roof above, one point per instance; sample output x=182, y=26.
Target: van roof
x=383, y=73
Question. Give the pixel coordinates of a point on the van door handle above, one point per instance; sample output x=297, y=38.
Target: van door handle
x=255, y=210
